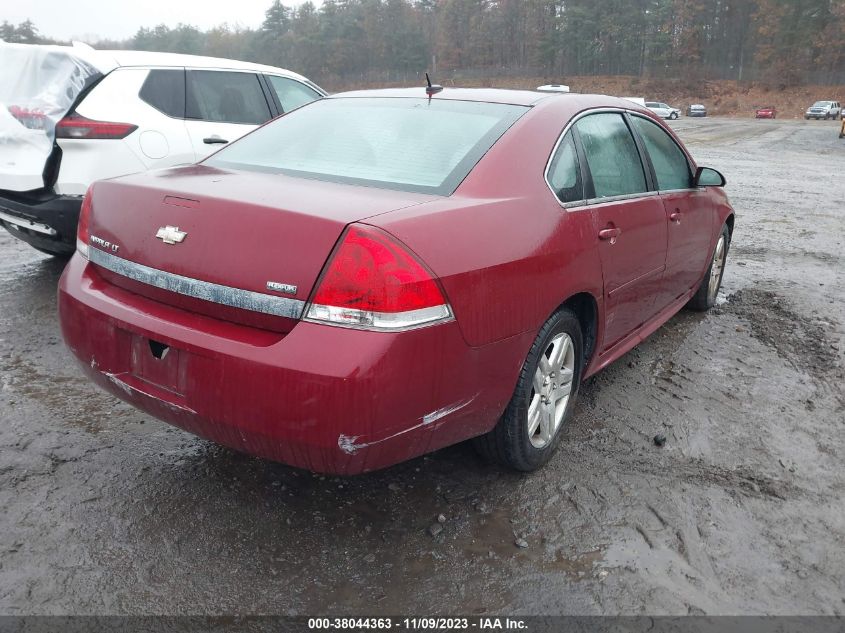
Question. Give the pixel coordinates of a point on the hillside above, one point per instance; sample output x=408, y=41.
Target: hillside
x=722, y=97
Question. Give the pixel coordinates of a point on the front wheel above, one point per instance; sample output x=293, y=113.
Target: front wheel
x=673, y=116
x=529, y=431
x=705, y=297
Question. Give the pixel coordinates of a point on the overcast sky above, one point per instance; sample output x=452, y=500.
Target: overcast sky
x=120, y=19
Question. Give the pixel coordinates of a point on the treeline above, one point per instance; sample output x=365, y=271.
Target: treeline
x=781, y=42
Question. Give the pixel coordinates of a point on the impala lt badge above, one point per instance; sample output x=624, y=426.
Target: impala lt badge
x=104, y=244
x=171, y=235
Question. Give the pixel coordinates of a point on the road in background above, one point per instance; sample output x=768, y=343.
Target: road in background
x=108, y=511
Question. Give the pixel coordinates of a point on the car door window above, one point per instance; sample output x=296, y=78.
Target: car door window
x=669, y=162
x=292, y=93
x=612, y=155
x=228, y=97
x=164, y=89
x=565, y=172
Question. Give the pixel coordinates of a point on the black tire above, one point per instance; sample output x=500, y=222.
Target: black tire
x=673, y=116
x=705, y=297
x=509, y=443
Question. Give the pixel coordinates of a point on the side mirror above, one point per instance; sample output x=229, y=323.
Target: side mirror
x=706, y=177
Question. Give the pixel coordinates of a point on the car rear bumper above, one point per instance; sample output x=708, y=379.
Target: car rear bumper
x=323, y=398
x=43, y=219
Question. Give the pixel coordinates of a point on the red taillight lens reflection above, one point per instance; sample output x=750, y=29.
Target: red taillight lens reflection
x=374, y=282
x=83, y=231
x=371, y=271
x=77, y=126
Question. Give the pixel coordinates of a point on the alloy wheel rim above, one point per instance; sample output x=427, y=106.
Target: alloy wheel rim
x=551, y=389
x=717, y=267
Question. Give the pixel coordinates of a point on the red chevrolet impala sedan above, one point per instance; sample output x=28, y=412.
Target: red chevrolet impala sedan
x=380, y=274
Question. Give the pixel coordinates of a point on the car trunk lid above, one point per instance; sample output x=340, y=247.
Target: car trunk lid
x=38, y=86
x=242, y=246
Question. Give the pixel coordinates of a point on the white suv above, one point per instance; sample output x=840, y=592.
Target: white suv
x=73, y=115
x=824, y=110
x=662, y=110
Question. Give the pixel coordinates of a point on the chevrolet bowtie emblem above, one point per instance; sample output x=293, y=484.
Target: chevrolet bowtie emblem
x=171, y=234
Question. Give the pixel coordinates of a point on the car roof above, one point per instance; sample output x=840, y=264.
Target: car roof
x=151, y=58
x=488, y=95
x=108, y=60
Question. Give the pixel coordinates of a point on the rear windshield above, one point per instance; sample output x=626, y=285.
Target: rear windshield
x=417, y=145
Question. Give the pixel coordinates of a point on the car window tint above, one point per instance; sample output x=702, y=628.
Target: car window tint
x=292, y=93
x=165, y=91
x=670, y=163
x=406, y=144
x=565, y=172
x=226, y=97
x=612, y=155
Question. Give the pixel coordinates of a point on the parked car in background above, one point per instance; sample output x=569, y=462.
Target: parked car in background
x=79, y=115
x=662, y=110
x=766, y=112
x=696, y=109
x=824, y=110
x=340, y=293
x=553, y=88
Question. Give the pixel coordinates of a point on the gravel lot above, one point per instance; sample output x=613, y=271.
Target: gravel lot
x=108, y=511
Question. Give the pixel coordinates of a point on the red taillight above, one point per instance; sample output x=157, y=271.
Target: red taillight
x=34, y=119
x=77, y=126
x=83, y=231
x=374, y=282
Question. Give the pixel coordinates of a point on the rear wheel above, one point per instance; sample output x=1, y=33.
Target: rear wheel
x=529, y=431
x=705, y=296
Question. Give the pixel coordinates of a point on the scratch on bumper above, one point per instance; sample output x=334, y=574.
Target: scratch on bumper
x=349, y=443
x=130, y=391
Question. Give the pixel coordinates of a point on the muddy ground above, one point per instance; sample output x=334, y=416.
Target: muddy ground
x=108, y=511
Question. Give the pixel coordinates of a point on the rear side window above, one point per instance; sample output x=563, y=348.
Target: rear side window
x=565, y=172
x=165, y=91
x=612, y=155
x=292, y=93
x=669, y=162
x=419, y=145
x=227, y=97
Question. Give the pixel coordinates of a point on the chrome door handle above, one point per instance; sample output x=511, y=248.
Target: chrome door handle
x=610, y=234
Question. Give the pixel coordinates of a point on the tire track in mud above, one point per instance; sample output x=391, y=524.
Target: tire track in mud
x=803, y=341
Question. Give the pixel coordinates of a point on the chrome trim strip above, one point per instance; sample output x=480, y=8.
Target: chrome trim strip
x=628, y=196
x=215, y=293
x=27, y=224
